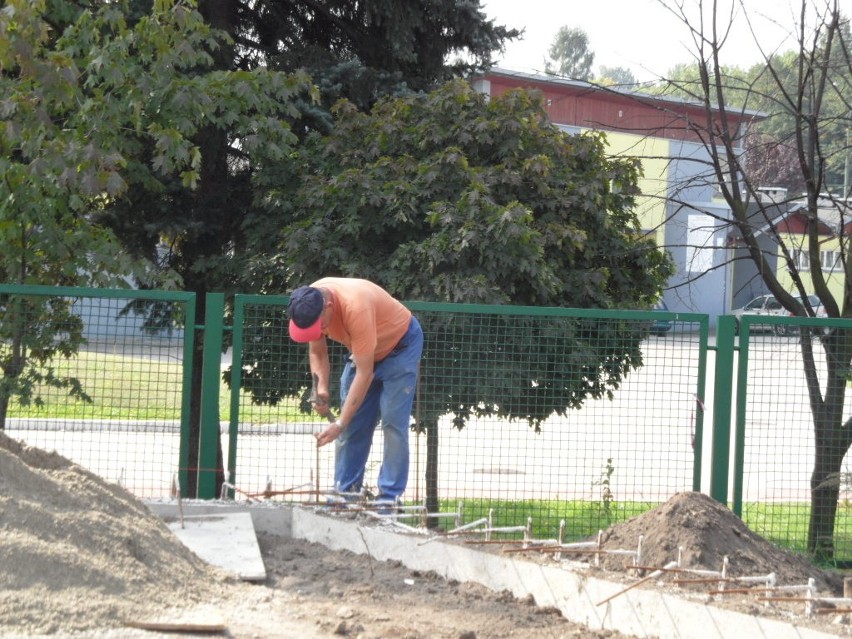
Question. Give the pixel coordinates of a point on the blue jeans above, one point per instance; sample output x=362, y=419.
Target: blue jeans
x=389, y=398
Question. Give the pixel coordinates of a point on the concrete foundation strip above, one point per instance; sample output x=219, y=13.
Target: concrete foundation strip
x=644, y=612
x=556, y=547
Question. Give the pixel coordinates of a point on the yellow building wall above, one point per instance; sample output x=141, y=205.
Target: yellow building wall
x=835, y=278
x=652, y=153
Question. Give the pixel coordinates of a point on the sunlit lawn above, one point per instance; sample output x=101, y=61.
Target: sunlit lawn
x=786, y=525
x=132, y=388
x=583, y=519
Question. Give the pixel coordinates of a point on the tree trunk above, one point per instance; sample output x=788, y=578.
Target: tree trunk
x=432, y=503
x=12, y=369
x=825, y=489
x=4, y=409
x=831, y=438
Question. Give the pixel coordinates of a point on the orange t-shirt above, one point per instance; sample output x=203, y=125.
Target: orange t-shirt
x=366, y=319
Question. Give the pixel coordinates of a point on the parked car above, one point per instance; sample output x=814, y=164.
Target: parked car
x=660, y=327
x=818, y=309
x=768, y=305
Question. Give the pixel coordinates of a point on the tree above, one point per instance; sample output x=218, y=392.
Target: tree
x=54, y=173
x=620, y=76
x=449, y=197
x=773, y=162
x=364, y=50
x=217, y=227
x=570, y=55
x=771, y=159
x=102, y=113
x=806, y=98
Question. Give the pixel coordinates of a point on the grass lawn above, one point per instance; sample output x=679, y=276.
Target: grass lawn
x=583, y=519
x=133, y=388
x=786, y=525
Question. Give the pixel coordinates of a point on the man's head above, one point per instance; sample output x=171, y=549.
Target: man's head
x=305, y=311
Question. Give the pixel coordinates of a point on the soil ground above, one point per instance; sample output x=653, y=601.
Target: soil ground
x=83, y=558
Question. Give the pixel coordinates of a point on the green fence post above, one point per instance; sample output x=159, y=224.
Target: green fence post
x=186, y=395
x=739, y=433
x=208, y=453
x=700, y=400
x=240, y=302
x=722, y=394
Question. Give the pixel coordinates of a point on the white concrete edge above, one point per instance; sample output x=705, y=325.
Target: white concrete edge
x=643, y=611
x=272, y=518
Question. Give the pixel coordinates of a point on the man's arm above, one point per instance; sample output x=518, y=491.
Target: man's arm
x=320, y=366
x=358, y=390
x=354, y=399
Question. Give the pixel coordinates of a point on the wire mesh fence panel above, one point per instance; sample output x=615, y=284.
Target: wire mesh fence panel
x=522, y=414
x=272, y=447
x=776, y=447
x=549, y=414
x=82, y=375
x=558, y=416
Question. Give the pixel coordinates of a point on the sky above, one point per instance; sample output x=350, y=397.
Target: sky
x=641, y=35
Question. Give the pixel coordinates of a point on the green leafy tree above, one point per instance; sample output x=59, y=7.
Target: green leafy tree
x=419, y=168
x=218, y=233
x=216, y=227
x=448, y=196
x=570, y=55
x=616, y=76
x=53, y=175
x=364, y=50
x=108, y=113
x=684, y=80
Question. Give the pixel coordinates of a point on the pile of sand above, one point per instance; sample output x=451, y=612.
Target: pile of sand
x=79, y=553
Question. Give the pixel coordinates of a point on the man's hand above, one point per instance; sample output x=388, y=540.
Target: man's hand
x=329, y=434
x=319, y=399
x=320, y=402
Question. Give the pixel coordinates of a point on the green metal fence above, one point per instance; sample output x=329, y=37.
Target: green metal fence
x=774, y=437
x=554, y=414
x=495, y=393
x=83, y=376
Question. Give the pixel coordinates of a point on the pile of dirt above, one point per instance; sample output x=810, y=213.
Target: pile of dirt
x=82, y=557
x=77, y=551
x=705, y=532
